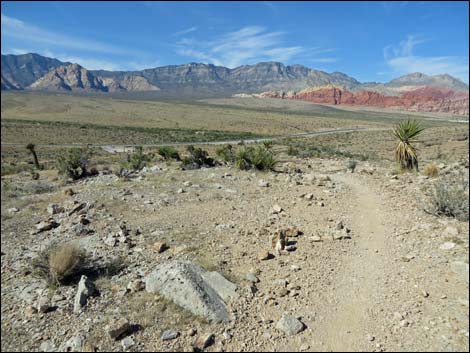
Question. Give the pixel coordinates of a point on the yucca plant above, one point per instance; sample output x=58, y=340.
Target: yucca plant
x=31, y=148
x=405, y=153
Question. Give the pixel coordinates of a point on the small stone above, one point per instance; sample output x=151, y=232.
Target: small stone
x=397, y=316
x=283, y=292
x=404, y=323
x=191, y=332
x=119, y=328
x=46, y=225
x=290, y=248
x=159, y=246
x=263, y=184
x=290, y=325
x=136, y=286
x=424, y=294
x=251, y=277
x=13, y=210
x=169, y=335
x=264, y=255
x=47, y=346
x=54, y=208
x=370, y=338
x=30, y=311
x=447, y=245
x=73, y=344
x=276, y=209
x=316, y=238
x=204, y=341
x=43, y=305
x=180, y=191
x=309, y=196
x=127, y=342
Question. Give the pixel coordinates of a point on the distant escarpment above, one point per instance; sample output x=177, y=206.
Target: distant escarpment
x=425, y=99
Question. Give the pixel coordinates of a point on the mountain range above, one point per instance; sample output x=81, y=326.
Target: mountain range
x=36, y=72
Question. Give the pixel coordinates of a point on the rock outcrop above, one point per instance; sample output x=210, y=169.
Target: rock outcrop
x=188, y=285
x=425, y=99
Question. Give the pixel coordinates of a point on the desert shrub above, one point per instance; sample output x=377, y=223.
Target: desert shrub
x=431, y=170
x=168, y=153
x=292, y=151
x=197, y=158
x=137, y=160
x=447, y=199
x=351, y=165
x=226, y=153
x=74, y=162
x=268, y=144
x=255, y=158
x=58, y=264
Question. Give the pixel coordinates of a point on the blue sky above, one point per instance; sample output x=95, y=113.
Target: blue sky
x=371, y=41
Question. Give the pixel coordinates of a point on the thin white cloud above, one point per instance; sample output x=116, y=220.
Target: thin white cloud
x=402, y=60
x=247, y=45
x=186, y=31
x=20, y=30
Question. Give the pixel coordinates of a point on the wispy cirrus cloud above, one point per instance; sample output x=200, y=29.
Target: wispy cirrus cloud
x=247, y=45
x=402, y=60
x=17, y=29
x=185, y=31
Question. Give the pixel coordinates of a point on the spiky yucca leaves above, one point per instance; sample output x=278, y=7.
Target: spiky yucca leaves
x=405, y=153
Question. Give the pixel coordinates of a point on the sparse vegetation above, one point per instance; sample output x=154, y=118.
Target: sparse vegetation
x=197, y=158
x=226, y=153
x=447, y=199
x=58, y=264
x=351, y=165
x=405, y=153
x=74, y=162
x=137, y=160
x=168, y=153
x=255, y=158
x=431, y=170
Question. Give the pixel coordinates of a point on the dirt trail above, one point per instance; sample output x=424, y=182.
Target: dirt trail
x=352, y=322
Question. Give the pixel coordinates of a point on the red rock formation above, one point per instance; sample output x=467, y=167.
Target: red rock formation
x=425, y=99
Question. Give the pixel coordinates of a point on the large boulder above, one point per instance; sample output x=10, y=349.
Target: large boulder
x=191, y=287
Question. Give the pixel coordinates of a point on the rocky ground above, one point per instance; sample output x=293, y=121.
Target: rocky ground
x=368, y=269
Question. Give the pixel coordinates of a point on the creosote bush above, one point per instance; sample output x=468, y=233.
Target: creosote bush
x=445, y=198
x=226, y=153
x=168, y=153
x=198, y=158
x=431, y=170
x=74, y=162
x=258, y=158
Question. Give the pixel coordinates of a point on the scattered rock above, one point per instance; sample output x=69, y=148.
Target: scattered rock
x=264, y=255
x=290, y=325
x=263, y=184
x=276, y=209
x=54, y=208
x=13, y=210
x=86, y=288
x=251, y=277
x=73, y=344
x=119, y=328
x=447, y=245
x=127, y=342
x=204, y=341
x=43, y=305
x=169, y=335
x=316, y=238
x=47, y=346
x=159, y=246
x=46, y=225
